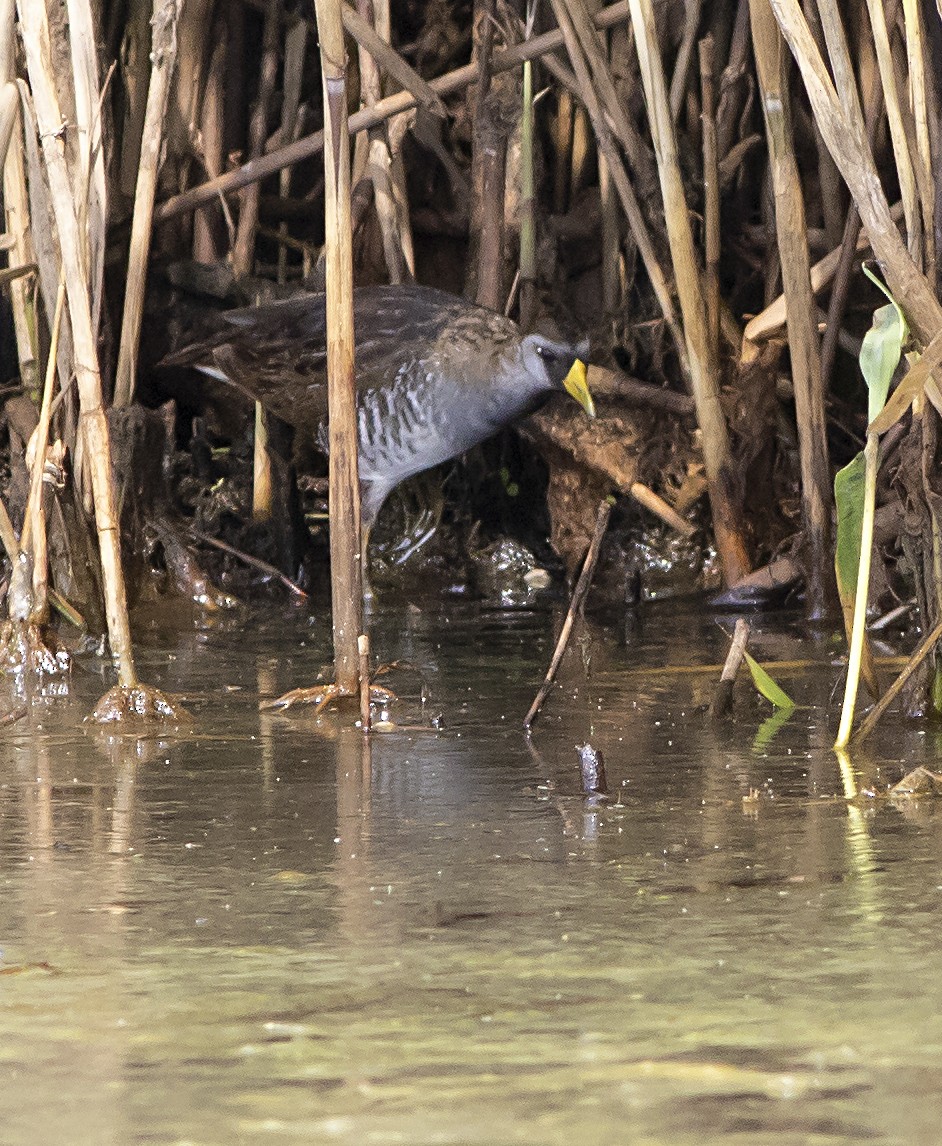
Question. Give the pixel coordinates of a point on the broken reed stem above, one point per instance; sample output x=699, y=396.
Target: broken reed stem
x=163, y=58
x=769, y=322
x=93, y=423
x=722, y=703
x=254, y=562
x=656, y=504
x=310, y=145
x=373, y=40
x=262, y=478
x=346, y=538
x=578, y=599
x=728, y=524
x=926, y=645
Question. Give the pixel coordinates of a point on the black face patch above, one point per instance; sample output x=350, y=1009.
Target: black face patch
x=558, y=363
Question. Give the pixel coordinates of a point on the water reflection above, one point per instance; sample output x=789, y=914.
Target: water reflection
x=275, y=927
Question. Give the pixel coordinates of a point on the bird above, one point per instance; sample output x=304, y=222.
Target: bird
x=435, y=375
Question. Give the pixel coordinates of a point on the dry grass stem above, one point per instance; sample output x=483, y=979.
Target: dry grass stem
x=163, y=58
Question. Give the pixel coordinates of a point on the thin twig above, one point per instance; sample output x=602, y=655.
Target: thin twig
x=578, y=599
x=924, y=649
x=248, y=559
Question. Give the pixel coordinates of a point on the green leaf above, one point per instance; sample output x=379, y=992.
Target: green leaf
x=772, y=692
x=849, y=498
x=880, y=355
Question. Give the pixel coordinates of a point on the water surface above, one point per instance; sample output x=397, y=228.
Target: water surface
x=267, y=931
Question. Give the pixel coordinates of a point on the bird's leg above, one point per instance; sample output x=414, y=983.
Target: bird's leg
x=323, y=695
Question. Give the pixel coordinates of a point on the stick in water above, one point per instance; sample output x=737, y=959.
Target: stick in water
x=723, y=697
x=578, y=598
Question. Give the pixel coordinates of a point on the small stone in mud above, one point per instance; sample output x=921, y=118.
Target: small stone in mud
x=592, y=770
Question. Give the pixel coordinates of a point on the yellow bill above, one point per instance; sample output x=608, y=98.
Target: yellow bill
x=577, y=384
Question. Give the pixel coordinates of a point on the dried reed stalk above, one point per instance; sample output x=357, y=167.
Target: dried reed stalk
x=33, y=537
x=88, y=180
x=163, y=57
x=135, y=68
x=208, y=233
x=704, y=372
x=894, y=115
x=488, y=165
x=589, y=65
x=243, y=253
x=527, y=262
x=93, y=421
x=770, y=321
x=345, y=526
x=771, y=57
x=45, y=241
x=372, y=35
x=295, y=53
x=922, y=158
x=843, y=130
x=379, y=157
x=16, y=204
x=678, y=88
x=711, y=195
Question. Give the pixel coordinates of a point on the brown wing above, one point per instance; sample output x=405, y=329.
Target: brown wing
x=277, y=353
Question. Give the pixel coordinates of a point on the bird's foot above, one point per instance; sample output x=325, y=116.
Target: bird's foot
x=323, y=695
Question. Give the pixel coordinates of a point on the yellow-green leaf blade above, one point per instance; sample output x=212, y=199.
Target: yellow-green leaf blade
x=772, y=692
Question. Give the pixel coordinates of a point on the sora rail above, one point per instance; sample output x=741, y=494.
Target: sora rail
x=435, y=375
